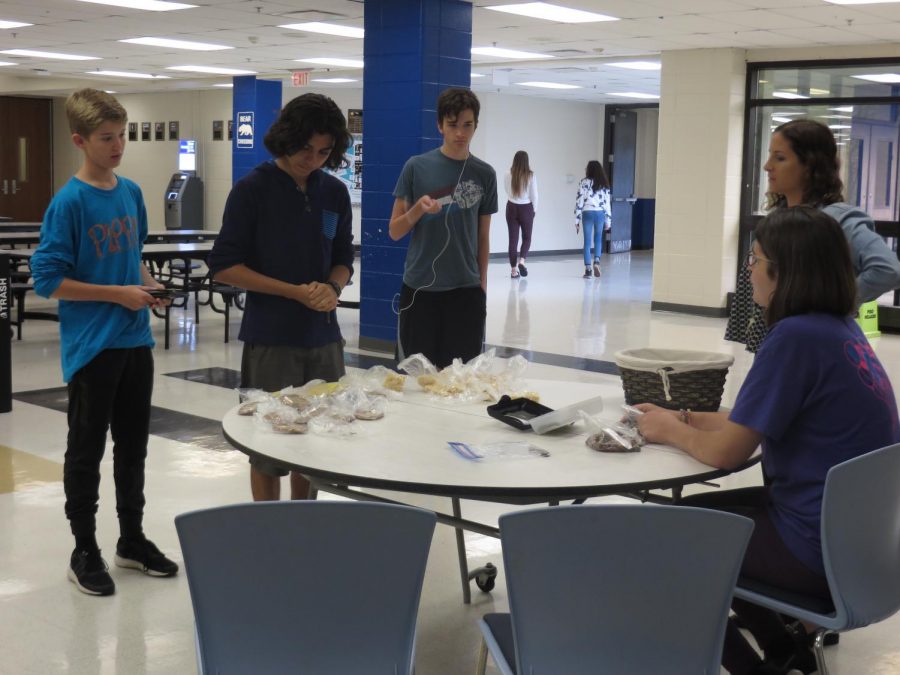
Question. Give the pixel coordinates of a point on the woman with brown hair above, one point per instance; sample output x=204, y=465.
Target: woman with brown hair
x=521, y=207
x=803, y=168
x=593, y=214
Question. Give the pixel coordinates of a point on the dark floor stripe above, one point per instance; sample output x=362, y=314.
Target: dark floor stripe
x=225, y=377
x=548, y=359
x=171, y=424
x=215, y=376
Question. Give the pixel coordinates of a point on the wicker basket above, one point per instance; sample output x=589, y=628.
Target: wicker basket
x=674, y=378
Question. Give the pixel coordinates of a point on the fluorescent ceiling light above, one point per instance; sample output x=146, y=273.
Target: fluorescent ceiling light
x=7, y=63
x=14, y=24
x=839, y=126
x=473, y=75
x=787, y=94
x=148, y=5
x=884, y=78
x=211, y=70
x=843, y=108
x=860, y=2
x=110, y=91
x=632, y=94
x=508, y=53
x=175, y=44
x=225, y=85
x=48, y=55
x=327, y=29
x=778, y=118
x=819, y=92
x=544, y=10
x=637, y=65
x=549, y=85
x=336, y=80
x=122, y=73
x=835, y=117
x=788, y=112
x=328, y=61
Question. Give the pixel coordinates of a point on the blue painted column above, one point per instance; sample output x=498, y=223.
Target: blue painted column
x=255, y=105
x=414, y=49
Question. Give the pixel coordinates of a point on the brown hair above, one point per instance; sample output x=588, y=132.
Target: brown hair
x=594, y=171
x=521, y=172
x=810, y=261
x=815, y=147
x=87, y=109
x=453, y=101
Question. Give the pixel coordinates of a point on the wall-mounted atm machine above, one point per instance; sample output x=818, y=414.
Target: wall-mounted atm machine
x=184, y=193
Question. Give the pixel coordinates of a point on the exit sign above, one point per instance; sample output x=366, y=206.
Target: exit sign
x=300, y=78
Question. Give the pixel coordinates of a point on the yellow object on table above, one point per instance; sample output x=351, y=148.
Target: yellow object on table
x=868, y=319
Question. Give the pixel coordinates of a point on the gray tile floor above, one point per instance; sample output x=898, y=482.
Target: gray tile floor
x=570, y=325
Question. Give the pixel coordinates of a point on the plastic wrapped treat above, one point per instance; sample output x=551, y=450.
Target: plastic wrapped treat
x=377, y=381
x=484, y=378
x=250, y=400
x=620, y=436
x=275, y=415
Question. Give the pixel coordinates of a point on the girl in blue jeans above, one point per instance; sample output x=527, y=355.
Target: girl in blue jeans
x=592, y=211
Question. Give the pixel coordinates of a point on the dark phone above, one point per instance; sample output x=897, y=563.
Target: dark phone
x=163, y=293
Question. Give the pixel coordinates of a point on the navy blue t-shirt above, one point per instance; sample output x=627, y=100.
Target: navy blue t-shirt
x=275, y=229
x=820, y=396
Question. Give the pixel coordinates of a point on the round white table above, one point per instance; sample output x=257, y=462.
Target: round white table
x=408, y=451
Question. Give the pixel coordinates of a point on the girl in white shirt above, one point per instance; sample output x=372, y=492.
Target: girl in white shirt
x=592, y=211
x=521, y=190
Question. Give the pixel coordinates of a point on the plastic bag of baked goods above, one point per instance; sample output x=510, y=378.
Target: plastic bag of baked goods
x=377, y=380
x=274, y=414
x=620, y=436
x=250, y=400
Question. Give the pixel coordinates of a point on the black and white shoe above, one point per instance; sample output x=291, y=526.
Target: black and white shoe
x=142, y=554
x=89, y=572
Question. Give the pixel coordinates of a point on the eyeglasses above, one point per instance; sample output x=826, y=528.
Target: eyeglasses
x=752, y=259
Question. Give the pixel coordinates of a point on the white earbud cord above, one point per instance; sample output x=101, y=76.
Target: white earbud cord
x=440, y=253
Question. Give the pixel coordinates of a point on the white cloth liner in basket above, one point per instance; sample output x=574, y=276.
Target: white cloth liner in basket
x=664, y=362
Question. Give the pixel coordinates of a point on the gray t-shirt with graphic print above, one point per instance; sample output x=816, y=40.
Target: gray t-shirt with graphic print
x=473, y=184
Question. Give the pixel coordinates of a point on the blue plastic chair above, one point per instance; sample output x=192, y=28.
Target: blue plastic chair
x=306, y=587
x=619, y=589
x=860, y=547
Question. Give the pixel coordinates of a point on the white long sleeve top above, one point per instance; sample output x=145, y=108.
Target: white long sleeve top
x=529, y=194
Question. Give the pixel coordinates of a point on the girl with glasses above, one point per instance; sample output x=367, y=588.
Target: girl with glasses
x=815, y=396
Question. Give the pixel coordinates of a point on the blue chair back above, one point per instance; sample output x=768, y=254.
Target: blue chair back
x=306, y=587
x=621, y=588
x=861, y=537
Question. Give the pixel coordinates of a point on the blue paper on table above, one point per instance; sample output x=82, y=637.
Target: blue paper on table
x=500, y=450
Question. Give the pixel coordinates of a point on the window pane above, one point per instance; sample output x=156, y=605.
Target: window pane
x=816, y=82
x=867, y=138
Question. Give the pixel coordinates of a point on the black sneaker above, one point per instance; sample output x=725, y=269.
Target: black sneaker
x=587, y=273
x=523, y=270
x=143, y=555
x=88, y=571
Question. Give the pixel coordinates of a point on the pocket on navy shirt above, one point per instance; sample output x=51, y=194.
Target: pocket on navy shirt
x=329, y=223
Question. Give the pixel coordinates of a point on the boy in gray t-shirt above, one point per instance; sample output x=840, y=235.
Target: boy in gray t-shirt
x=446, y=198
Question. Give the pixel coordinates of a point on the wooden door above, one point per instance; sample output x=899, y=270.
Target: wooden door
x=26, y=159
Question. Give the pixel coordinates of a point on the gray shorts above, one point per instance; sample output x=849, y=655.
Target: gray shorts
x=274, y=368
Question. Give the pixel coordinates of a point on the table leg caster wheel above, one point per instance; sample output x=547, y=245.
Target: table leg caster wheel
x=485, y=577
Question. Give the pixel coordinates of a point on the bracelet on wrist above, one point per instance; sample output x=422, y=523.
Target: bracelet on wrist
x=685, y=416
x=336, y=286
